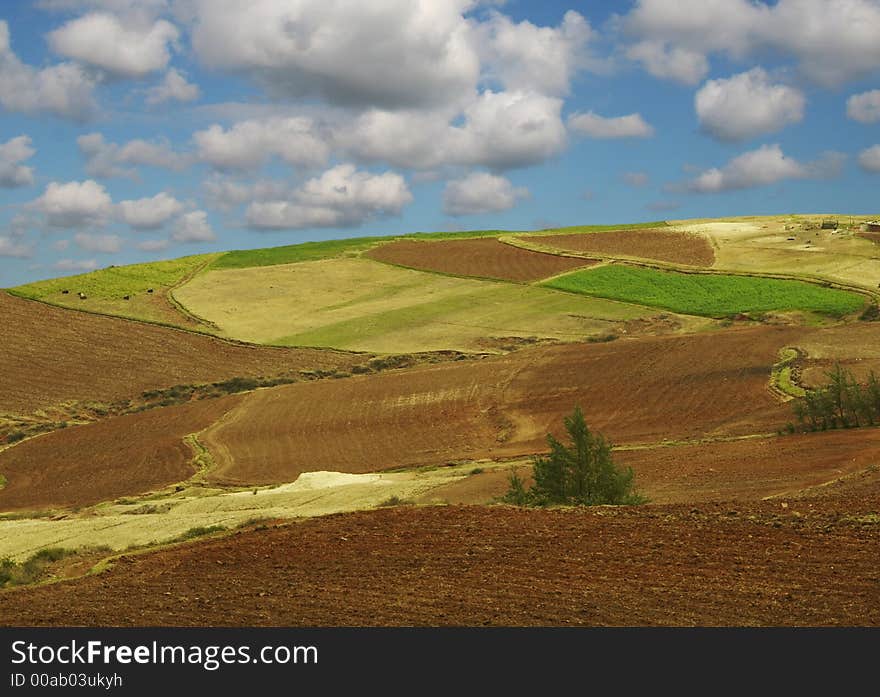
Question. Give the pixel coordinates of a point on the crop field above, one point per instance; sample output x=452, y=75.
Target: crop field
x=710, y=295
x=364, y=305
x=105, y=290
x=126, y=455
x=718, y=564
x=485, y=258
x=50, y=356
x=676, y=388
x=661, y=245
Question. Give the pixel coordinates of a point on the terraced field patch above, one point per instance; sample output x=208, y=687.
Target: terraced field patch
x=364, y=305
x=466, y=565
x=146, y=286
x=710, y=295
x=661, y=244
x=484, y=258
x=50, y=356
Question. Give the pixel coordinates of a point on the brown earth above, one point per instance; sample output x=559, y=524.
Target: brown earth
x=634, y=391
x=713, y=564
x=661, y=245
x=50, y=355
x=126, y=455
x=485, y=258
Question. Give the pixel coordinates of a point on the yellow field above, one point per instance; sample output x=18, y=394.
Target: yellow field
x=362, y=305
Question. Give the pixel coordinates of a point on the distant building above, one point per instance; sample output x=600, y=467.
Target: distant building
x=871, y=226
x=829, y=224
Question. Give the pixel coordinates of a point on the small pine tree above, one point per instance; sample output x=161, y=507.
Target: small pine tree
x=579, y=474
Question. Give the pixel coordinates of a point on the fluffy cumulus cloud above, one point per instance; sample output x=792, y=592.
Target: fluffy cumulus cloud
x=595, y=126
x=105, y=41
x=832, y=41
x=766, y=165
x=480, y=192
x=104, y=244
x=747, y=105
x=865, y=107
x=341, y=197
x=193, y=227
x=498, y=130
x=105, y=160
x=385, y=53
x=65, y=89
x=149, y=213
x=12, y=172
x=174, y=87
x=869, y=159
x=248, y=144
x=523, y=56
x=74, y=204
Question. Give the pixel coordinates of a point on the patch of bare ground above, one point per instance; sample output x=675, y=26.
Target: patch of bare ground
x=660, y=245
x=640, y=390
x=126, y=455
x=485, y=258
x=715, y=564
x=50, y=355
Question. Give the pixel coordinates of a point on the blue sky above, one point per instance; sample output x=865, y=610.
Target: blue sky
x=134, y=130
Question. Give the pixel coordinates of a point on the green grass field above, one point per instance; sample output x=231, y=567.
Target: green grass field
x=106, y=288
x=708, y=295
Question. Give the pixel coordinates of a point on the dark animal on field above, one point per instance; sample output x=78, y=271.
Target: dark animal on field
x=149, y=290
x=64, y=292
x=126, y=297
x=82, y=296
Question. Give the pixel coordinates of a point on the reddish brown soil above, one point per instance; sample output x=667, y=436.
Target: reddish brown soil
x=873, y=236
x=654, y=565
x=661, y=245
x=486, y=258
x=634, y=391
x=126, y=455
x=50, y=355
x=744, y=470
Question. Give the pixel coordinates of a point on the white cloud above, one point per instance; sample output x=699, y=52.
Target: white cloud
x=747, y=105
x=341, y=197
x=480, y=192
x=386, y=53
x=173, y=88
x=76, y=264
x=107, y=42
x=864, y=107
x=636, y=179
x=11, y=247
x=149, y=213
x=523, y=56
x=193, y=227
x=595, y=126
x=12, y=153
x=153, y=245
x=248, y=144
x=225, y=193
x=105, y=160
x=869, y=159
x=103, y=244
x=766, y=165
x=832, y=40
x=75, y=204
x=64, y=89
x=670, y=62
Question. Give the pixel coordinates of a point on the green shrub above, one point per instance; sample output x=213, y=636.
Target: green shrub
x=580, y=474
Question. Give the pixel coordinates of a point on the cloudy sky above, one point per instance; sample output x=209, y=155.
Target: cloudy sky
x=133, y=130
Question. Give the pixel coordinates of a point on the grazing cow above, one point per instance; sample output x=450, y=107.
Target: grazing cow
x=125, y=297
x=149, y=290
x=82, y=296
x=64, y=292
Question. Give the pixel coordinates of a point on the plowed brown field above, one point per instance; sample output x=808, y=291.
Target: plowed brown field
x=655, y=565
x=50, y=355
x=126, y=455
x=661, y=245
x=485, y=258
x=634, y=391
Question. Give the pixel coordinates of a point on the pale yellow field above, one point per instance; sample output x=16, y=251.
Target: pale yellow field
x=363, y=305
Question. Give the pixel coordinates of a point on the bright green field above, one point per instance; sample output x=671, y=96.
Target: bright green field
x=709, y=295
x=313, y=251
